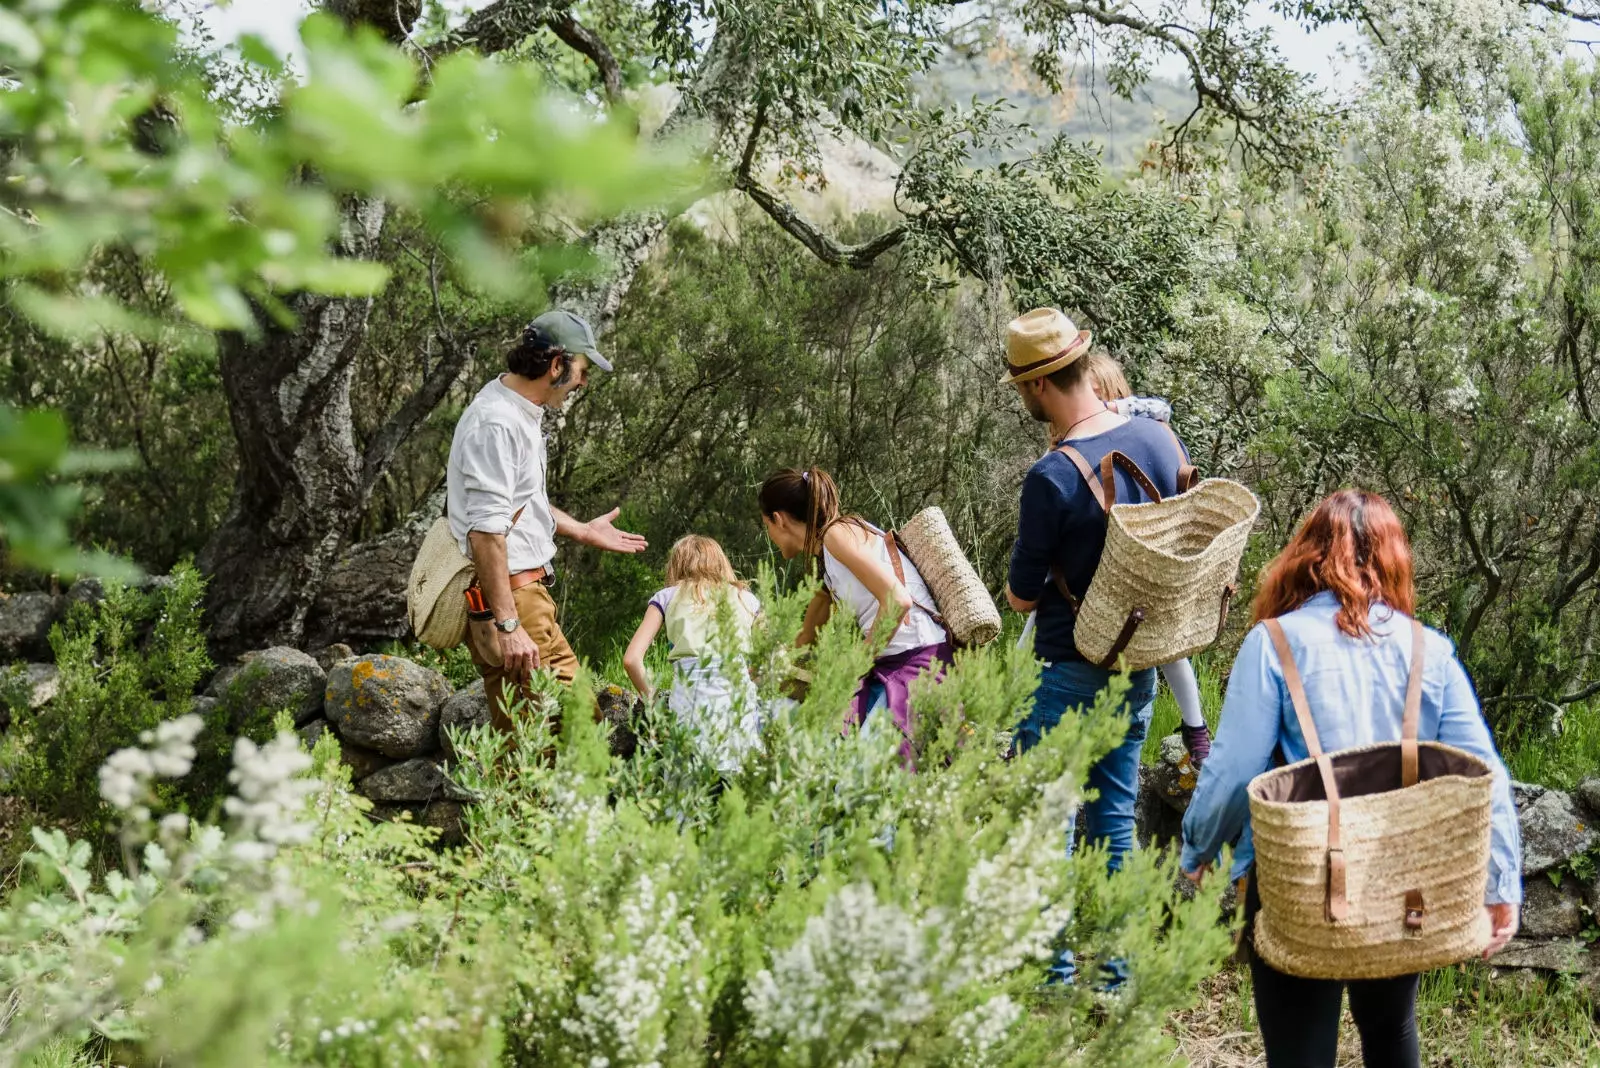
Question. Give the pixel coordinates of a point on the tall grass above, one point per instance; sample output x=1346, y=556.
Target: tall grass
x=1561, y=758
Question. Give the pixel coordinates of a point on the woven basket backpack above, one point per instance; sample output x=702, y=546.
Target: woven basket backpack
x=1169, y=569
x=1370, y=862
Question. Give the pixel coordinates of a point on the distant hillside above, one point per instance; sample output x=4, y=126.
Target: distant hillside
x=1085, y=109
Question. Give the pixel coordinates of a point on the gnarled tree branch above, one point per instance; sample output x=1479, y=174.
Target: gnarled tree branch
x=585, y=41
x=808, y=233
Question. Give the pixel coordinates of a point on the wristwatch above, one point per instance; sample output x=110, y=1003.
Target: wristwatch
x=506, y=626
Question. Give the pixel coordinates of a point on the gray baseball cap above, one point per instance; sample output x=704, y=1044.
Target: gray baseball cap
x=561, y=329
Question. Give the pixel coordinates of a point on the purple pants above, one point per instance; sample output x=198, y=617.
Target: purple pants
x=891, y=678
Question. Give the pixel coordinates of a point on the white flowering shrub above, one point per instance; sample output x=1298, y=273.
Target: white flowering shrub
x=823, y=906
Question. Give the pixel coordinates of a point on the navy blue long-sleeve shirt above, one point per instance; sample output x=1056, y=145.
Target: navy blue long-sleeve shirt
x=1060, y=524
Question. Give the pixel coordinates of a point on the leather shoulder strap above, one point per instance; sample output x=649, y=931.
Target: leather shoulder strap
x=1337, y=903
x=1108, y=477
x=1188, y=473
x=892, y=543
x=1413, y=713
x=1087, y=472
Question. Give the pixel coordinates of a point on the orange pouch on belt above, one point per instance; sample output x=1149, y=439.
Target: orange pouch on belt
x=480, y=627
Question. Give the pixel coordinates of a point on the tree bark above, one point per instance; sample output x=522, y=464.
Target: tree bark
x=303, y=484
x=300, y=486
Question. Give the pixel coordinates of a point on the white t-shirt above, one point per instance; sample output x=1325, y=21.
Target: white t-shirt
x=497, y=465
x=919, y=628
x=691, y=625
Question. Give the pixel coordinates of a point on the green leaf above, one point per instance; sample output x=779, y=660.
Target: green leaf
x=18, y=38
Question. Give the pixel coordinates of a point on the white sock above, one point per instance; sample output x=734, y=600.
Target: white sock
x=1185, y=690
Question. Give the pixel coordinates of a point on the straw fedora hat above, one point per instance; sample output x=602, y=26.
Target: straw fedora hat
x=1040, y=343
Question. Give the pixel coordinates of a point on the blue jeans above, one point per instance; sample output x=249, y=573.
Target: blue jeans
x=1074, y=685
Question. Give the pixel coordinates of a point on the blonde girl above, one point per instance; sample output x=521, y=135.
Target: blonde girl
x=706, y=612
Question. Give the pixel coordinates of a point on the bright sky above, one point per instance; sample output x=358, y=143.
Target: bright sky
x=1315, y=53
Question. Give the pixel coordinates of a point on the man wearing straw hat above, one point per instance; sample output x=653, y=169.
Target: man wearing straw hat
x=1061, y=531
x=499, y=510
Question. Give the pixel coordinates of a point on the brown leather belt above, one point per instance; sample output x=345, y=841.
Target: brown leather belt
x=528, y=578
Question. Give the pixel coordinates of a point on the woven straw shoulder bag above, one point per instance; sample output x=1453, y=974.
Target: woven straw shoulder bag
x=436, y=595
x=1169, y=569
x=1371, y=862
x=965, y=606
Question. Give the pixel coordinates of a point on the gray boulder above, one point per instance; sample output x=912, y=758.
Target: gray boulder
x=1552, y=830
x=442, y=816
x=25, y=622
x=87, y=590
x=386, y=703
x=1172, y=776
x=33, y=685
x=312, y=732
x=468, y=707
x=330, y=655
x=361, y=762
x=1550, y=911
x=1567, y=955
x=418, y=779
x=1588, y=794
x=271, y=679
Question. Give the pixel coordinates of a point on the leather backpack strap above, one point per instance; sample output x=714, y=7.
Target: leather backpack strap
x=1087, y=472
x=1060, y=582
x=1337, y=904
x=1413, y=713
x=1188, y=473
x=1108, y=478
x=892, y=543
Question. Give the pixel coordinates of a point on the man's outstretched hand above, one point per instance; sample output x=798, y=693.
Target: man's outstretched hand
x=602, y=535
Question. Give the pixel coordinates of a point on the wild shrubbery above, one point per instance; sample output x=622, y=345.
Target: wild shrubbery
x=126, y=663
x=822, y=907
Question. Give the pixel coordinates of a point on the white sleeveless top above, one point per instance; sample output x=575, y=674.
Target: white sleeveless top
x=919, y=629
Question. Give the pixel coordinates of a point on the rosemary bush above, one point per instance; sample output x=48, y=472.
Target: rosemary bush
x=824, y=906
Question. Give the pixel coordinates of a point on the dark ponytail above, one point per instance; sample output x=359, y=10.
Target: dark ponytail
x=808, y=497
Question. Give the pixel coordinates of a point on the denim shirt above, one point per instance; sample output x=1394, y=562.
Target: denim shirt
x=1356, y=690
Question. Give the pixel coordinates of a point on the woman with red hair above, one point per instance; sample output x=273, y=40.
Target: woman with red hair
x=1342, y=591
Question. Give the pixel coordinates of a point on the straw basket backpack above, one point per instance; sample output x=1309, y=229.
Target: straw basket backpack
x=964, y=605
x=436, y=595
x=1169, y=569
x=1370, y=862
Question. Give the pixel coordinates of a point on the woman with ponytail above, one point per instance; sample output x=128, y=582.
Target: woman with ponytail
x=1342, y=593
x=857, y=564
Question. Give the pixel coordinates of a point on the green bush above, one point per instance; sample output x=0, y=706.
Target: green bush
x=126, y=663
x=824, y=906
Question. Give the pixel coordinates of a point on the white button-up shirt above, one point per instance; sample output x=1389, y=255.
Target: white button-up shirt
x=497, y=465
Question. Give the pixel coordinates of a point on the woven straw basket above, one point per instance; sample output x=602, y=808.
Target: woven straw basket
x=963, y=600
x=1387, y=880
x=436, y=602
x=1168, y=571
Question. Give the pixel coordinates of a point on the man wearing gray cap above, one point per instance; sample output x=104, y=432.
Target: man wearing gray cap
x=500, y=511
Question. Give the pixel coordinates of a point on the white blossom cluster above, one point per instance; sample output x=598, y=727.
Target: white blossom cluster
x=862, y=963
x=1009, y=915
x=1474, y=202
x=1453, y=46
x=643, y=980
x=169, y=753
x=981, y=1029
x=269, y=796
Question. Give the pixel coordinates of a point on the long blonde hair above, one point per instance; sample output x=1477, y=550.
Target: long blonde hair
x=698, y=566
x=1106, y=374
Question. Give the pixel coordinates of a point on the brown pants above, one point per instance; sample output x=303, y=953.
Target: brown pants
x=537, y=611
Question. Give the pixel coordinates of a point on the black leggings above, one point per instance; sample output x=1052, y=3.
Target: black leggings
x=1299, y=1018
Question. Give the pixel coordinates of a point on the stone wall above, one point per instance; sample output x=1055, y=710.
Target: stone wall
x=1560, y=833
